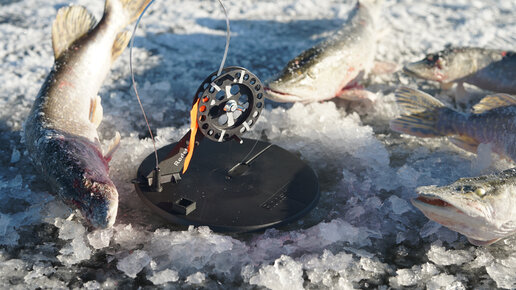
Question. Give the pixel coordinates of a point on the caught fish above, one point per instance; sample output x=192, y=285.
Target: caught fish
x=333, y=67
x=488, y=69
x=492, y=121
x=481, y=208
x=61, y=129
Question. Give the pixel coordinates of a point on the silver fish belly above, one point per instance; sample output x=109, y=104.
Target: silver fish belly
x=61, y=130
x=320, y=72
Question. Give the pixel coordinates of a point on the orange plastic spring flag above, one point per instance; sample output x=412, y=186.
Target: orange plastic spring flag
x=193, y=131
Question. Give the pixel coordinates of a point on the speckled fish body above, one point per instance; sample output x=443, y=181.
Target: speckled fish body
x=493, y=121
x=321, y=72
x=481, y=208
x=61, y=130
x=488, y=69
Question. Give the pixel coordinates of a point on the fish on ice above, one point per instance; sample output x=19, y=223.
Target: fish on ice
x=333, y=67
x=481, y=208
x=488, y=69
x=61, y=129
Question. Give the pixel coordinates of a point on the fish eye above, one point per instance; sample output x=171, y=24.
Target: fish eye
x=480, y=192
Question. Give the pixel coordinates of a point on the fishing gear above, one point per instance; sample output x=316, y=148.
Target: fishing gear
x=233, y=184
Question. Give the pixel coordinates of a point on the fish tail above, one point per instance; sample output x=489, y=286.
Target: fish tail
x=121, y=13
x=424, y=113
x=131, y=9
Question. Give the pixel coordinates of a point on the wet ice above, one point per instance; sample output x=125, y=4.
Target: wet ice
x=364, y=232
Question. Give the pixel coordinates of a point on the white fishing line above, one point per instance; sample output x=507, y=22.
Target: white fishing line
x=131, y=44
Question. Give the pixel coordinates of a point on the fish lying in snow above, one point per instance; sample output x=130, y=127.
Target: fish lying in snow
x=488, y=69
x=481, y=208
x=61, y=130
x=333, y=67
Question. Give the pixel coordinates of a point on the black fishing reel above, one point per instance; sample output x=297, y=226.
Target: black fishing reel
x=225, y=106
x=229, y=103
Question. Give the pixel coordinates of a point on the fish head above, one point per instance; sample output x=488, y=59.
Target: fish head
x=444, y=66
x=83, y=182
x=481, y=208
x=299, y=81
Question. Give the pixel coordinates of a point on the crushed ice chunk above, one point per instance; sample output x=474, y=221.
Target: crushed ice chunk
x=100, y=238
x=399, y=206
x=416, y=275
x=429, y=228
x=74, y=252
x=165, y=276
x=134, y=263
x=440, y=256
x=502, y=271
x=128, y=237
x=196, y=278
x=444, y=281
x=285, y=273
x=15, y=156
x=92, y=285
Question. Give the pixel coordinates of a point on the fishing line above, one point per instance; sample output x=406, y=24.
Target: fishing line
x=131, y=44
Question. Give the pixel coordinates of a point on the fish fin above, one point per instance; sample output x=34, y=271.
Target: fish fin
x=465, y=142
x=121, y=41
x=71, y=23
x=494, y=101
x=423, y=114
x=96, y=111
x=115, y=144
x=415, y=101
x=483, y=243
x=131, y=9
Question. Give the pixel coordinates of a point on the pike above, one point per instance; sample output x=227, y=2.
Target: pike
x=481, y=208
x=333, y=67
x=488, y=69
x=61, y=130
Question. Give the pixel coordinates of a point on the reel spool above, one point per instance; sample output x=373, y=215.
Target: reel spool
x=229, y=104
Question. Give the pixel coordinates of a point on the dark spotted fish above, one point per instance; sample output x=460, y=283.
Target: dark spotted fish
x=481, y=208
x=61, y=130
x=488, y=69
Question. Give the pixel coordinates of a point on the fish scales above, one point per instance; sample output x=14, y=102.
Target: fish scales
x=321, y=72
x=61, y=129
x=481, y=208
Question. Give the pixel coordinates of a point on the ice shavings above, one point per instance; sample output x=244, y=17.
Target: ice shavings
x=440, y=256
x=163, y=277
x=364, y=232
x=134, y=263
x=76, y=250
x=285, y=273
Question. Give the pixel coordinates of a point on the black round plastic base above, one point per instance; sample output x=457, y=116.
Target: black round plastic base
x=275, y=188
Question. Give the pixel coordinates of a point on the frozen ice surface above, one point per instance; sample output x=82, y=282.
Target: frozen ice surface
x=364, y=233
x=440, y=256
x=285, y=274
x=196, y=278
x=134, y=263
x=100, y=238
x=164, y=276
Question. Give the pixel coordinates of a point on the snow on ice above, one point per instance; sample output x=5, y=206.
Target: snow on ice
x=364, y=233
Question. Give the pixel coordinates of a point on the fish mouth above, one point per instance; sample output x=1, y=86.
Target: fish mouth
x=279, y=96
